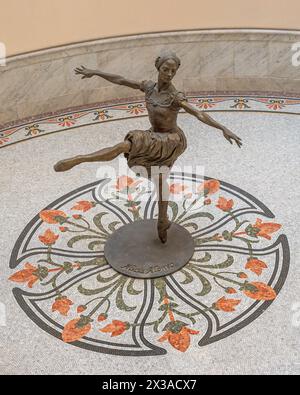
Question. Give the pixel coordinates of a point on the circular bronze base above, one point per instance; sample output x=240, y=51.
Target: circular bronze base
x=136, y=251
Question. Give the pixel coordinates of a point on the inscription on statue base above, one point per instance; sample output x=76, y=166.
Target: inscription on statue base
x=135, y=251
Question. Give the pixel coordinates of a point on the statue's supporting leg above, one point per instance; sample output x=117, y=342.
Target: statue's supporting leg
x=163, y=202
x=103, y=155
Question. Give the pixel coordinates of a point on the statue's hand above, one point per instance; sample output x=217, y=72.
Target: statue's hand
x=229, y=136
x=86, y=73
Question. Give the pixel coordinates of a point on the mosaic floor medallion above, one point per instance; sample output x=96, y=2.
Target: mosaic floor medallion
x=63, y=283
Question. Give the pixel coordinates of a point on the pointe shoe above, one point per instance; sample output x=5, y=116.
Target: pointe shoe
x=67, y=164
x=162, y=228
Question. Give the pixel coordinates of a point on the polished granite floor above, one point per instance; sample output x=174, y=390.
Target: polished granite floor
x=202, y=320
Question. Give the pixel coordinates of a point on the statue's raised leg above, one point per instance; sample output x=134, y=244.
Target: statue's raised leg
x=103, y=155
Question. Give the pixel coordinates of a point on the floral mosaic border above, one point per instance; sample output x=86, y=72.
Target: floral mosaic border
x=132, y=107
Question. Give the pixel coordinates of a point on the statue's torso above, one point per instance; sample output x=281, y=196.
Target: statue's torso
x=162, y=108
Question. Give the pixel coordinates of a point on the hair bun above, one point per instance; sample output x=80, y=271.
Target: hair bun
x=164, y=56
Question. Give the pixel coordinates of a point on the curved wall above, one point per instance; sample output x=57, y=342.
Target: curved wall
x=241, y=60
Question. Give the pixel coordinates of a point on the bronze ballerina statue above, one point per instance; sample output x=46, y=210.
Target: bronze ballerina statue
x=164, y=142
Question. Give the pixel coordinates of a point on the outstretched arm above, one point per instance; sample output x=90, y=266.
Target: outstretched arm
x=203, y=117
x=115, y=79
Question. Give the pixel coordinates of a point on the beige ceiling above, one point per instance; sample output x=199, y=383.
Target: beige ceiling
x=27, y=25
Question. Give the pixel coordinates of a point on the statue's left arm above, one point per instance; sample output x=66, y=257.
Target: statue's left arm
x=205, y=118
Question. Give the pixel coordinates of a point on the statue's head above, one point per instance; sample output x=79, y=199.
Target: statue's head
x=167, y=65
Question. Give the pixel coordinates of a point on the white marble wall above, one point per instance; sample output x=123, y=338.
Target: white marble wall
x=223, y=60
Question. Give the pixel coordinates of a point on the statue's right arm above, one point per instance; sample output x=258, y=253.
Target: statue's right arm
x=115, y=79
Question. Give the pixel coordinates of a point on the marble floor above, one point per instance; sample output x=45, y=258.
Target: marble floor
x=235, y=307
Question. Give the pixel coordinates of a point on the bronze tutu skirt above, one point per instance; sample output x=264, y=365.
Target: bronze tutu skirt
x=149, y=148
